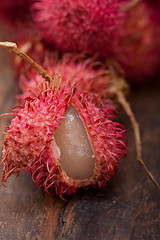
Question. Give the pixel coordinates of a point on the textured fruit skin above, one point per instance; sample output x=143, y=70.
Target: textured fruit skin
x=83, y=25
x=29, y=142
x=85, y=74
x=100, y=27
x=12, y=11
x=138, y=50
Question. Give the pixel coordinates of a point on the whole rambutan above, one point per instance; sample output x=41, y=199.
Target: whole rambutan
x=106, y=29
x=66, y=139
x=83, y=25
x=138, y=50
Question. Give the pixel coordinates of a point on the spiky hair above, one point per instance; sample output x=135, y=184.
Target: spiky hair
x=29, y=142
x=83, y=25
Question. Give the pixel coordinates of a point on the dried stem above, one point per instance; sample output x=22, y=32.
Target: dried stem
x=126, y=106
x=130, y=5
x=115, y=90
x=12, y=47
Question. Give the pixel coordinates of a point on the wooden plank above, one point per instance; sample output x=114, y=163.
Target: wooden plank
x=127, y=208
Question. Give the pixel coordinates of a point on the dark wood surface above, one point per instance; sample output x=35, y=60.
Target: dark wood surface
x=127, y=208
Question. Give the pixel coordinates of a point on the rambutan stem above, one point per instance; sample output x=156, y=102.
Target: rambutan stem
x=129, y=5
x=126, y=106
x=12, y=47
x=115, y=90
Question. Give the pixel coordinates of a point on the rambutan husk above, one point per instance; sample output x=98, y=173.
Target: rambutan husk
x=85, y=73
x=30, y=138
x=30, y=143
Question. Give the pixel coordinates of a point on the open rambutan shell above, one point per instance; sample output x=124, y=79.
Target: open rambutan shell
x=30, y=141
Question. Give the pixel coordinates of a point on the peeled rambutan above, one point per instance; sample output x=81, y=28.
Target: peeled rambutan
x=86, y=25
x=66, y=139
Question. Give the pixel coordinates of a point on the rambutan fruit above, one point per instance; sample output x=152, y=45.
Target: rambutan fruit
x=104, y=28
x=79, y=26
x=32, y=139
x=139, y=48
x=66, y=139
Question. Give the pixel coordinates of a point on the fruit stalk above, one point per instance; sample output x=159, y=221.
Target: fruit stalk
x=12, y=47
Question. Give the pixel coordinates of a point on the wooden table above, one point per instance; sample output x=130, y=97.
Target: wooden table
x=127, y=208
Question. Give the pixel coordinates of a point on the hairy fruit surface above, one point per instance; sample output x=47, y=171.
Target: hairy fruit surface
x=81, y=26
x=138, y=50
x=85, y=74
x=30, y=141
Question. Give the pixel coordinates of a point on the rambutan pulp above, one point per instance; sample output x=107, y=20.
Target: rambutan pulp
x=77, y=156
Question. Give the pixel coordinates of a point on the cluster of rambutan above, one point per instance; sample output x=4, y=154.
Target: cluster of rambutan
x=109, y=28
x=65, y=132
x=116, y=29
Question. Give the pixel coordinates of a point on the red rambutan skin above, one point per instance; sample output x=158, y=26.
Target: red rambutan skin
x=85, y=74
x=79, y=26
x=138, y=50
x=102, y=28
x=29, y=141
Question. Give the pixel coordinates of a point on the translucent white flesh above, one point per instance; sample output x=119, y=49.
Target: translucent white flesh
x=77, y=157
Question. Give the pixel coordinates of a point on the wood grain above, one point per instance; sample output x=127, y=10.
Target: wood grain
x=127, y=208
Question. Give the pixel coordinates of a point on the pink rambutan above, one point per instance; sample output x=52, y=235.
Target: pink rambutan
x=139, y=48
x=83, y=25
x=106, y=29
x=62, y=128
x=66, y=139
